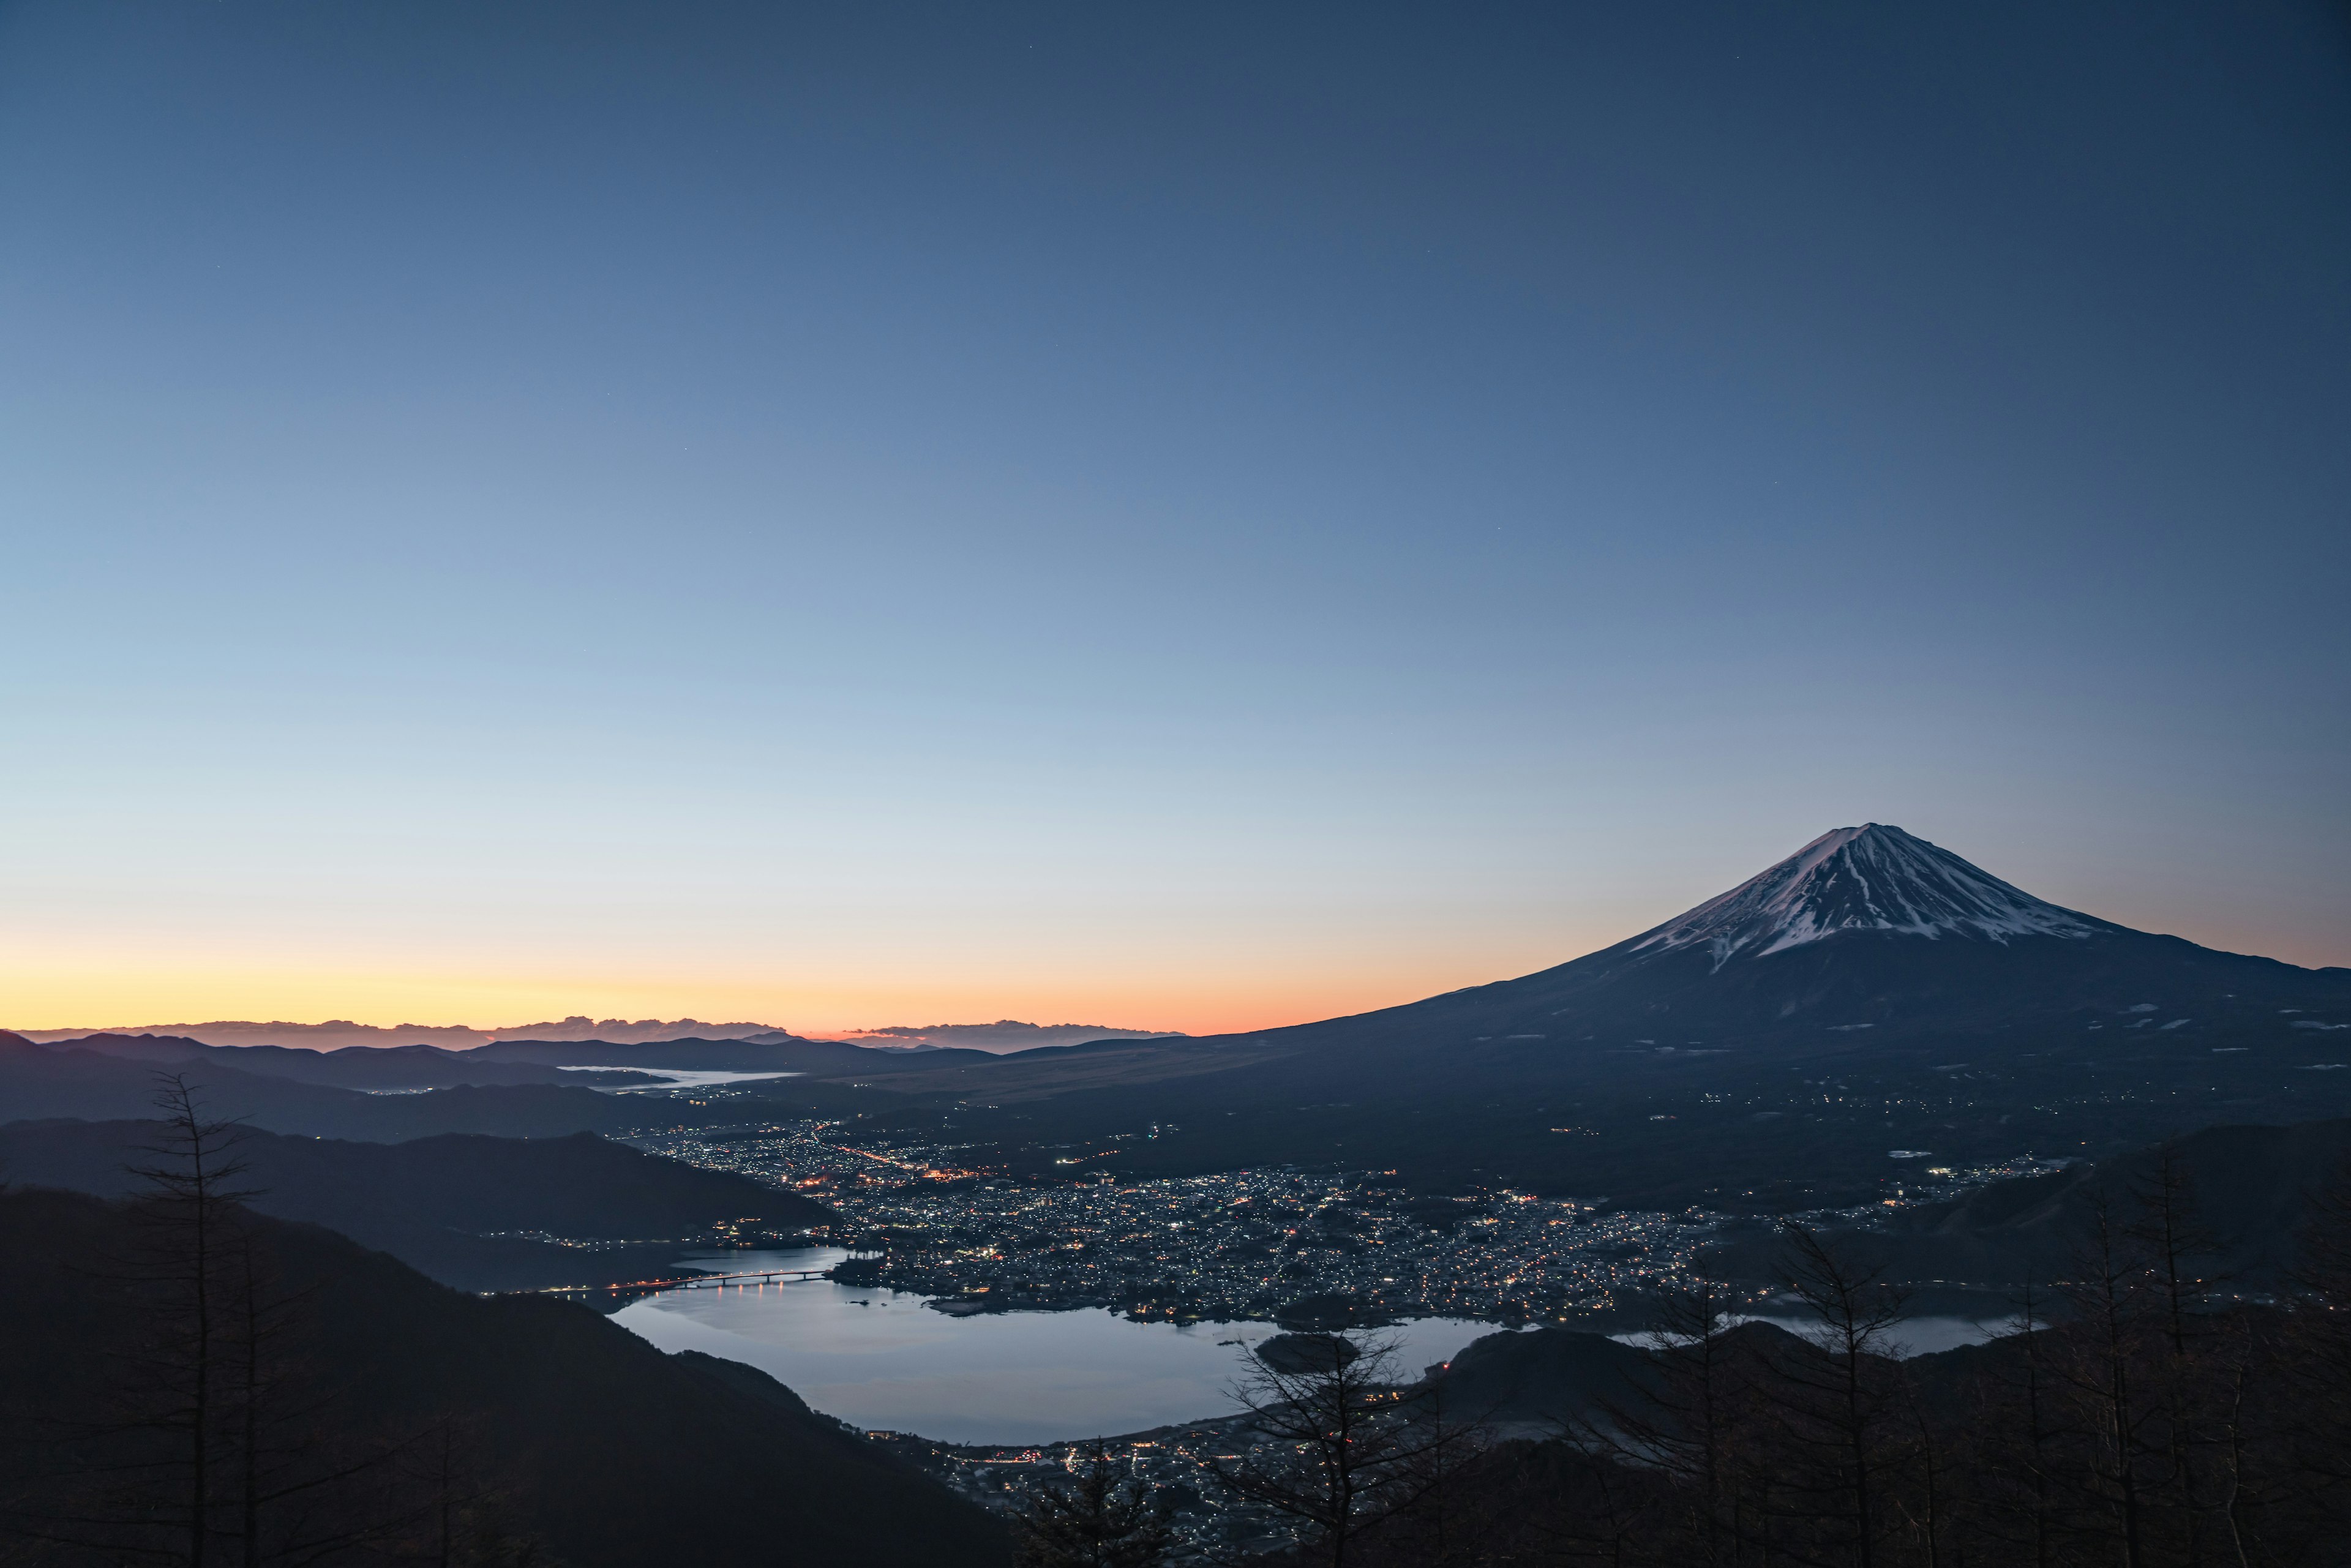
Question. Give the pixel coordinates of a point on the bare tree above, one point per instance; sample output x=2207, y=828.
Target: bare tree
x=186, y=1220
x=1340, y=1450
x=2101, y=1374
x=210, y=1442
x=2017, y=1434
x=1926, y=1503
x=1835, y=1404
x=1438, y=1518
x=2188, y=1385
x=435, y=1504
x=2316, y=1358
x=1688, y=1421
x=2168, y=1229
x=1100, y=1517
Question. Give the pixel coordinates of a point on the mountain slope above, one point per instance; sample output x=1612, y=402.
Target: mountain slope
x=1864, y=928
x=458, y=1208
x=375, y=1068
x=586, y=1440
x=2249, y=1195
x=38, y=1082
x=1770, y=1047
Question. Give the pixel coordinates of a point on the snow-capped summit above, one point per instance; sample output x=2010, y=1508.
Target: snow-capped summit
x=1870, y=878
x=1868, y=946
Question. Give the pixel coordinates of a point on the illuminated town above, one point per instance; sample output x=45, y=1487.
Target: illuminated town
x=1317, y=1249
x=1311, y=1249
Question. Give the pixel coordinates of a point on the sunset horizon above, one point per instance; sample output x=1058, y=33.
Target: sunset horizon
x=1158, y=1003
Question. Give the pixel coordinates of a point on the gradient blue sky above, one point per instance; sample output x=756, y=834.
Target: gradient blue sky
x=1188, y=516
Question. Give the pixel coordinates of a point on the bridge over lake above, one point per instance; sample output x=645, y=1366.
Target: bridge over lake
x=683, y=1282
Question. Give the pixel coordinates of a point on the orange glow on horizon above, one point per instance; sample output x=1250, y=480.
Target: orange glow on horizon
x=95, y=996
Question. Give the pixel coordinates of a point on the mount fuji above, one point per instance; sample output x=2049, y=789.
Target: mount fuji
x=1864, y=928
x=1870, y=878
x=1872, y=992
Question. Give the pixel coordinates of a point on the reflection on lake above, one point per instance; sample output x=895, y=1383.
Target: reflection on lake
x=878, y=1359
x=1911, y=1336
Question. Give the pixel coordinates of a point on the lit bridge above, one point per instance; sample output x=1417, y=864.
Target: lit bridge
x=684, y=1282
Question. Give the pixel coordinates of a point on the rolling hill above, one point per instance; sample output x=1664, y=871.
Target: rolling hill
x=393, y=1402
x=478, y=1213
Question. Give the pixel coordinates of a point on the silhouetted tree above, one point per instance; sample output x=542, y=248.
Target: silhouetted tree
x=1438, y=1518
x=2314, y=1361
x=180, y=1380
x=1836, y=1399
x=2106, y=1344
x=452, y=1513
x=1098, y=1518
x=2016, y=1434
x=1690, y=1423
x=208, y=1442
x=1342, y=1453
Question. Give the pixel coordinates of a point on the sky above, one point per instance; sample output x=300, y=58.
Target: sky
x=1185, y=517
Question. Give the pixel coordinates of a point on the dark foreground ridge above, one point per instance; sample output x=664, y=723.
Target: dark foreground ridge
x=475, y=1212
x=413, y=1420
x=2136, y=1411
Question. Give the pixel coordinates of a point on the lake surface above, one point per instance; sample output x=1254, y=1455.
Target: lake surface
x=880, y=1359
x=677, y=1077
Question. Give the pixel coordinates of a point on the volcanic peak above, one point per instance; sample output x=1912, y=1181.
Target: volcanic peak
x=1870, y=878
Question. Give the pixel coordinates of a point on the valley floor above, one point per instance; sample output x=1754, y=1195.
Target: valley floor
x=1317, y=1247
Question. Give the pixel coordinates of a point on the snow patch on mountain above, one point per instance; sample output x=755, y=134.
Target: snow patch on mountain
x=1870, y=878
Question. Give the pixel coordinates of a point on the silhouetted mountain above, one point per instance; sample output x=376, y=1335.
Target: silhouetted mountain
x=1538, y=1381
x=371, y=1068
x=438, y=1204
x=1542, y=1382
x=1005, y=1035
x=2250, y=1191
x=790, y=1054
x=579, y=1436
x=43, y=1081
x=1829, y=1450
x=341, y=1034
x=1864, y=929
x=1766, y=1048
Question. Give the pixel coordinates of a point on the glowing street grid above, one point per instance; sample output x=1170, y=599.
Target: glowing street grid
x=1228, y=1247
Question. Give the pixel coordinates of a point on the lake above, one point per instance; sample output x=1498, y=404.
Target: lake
x=880, y=1359
x=679, y=1078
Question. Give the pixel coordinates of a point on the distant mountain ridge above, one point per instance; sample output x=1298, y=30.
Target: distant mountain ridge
x=341, y=1034
x=380, y=1069
x=514, y=1089
x=114, y=1078
x=1004, y=1035
x=335, y=1034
